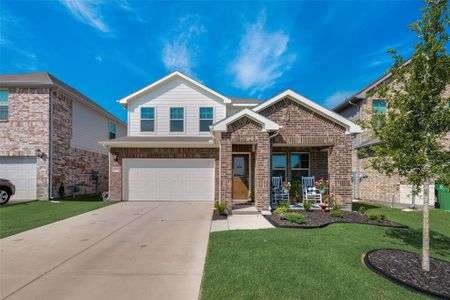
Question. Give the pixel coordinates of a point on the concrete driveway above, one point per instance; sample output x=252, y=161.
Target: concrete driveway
x=130, y=250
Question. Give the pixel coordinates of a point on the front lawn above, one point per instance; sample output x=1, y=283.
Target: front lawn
x=18, y=217
x=314, y=263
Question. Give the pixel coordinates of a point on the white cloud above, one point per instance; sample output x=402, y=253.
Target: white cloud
x=263, y=57
x=337, y=98
x=99, y=57
x=88, y=12
x=181, y=50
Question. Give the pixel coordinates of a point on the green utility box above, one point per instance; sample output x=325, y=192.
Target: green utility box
x=443, y=196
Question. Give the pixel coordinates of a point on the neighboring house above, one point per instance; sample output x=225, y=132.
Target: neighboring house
x=369, y=184
x=187, y=142
x=49, y=135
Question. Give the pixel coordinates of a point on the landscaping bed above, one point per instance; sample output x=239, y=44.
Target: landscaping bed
x=405, y=268
x=316, y=219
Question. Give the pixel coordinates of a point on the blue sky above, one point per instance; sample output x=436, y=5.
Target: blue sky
x=324, y=50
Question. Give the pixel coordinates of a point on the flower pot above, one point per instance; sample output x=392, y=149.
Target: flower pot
x=294, y=200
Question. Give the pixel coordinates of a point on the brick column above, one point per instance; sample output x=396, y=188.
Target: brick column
x=226, y=170
x=340, y=169
x=262, y=172
x=115, y=175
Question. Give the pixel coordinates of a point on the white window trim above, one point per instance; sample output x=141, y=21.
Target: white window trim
x=154, y=120
x=300, y=169
x=199, y=118
x=279, y=169
x=7, y=106
x=184, y=121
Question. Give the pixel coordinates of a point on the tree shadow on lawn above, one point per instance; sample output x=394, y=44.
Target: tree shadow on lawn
x=439, y=243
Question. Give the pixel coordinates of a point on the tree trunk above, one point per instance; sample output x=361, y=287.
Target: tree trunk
x=426, y=228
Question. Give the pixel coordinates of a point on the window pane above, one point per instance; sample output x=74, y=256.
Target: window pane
x=206, y=113
x=3, y=112
x=112, y=135
x=204, y=125
x=4, y=97
x=147, y=113
x=176, y=112
x=295, y=160
x=148, y=125
x=304, y=161
x=176, y=125
x=279, y=173
x=278, y=161
x=378, y=106
x=298, y=174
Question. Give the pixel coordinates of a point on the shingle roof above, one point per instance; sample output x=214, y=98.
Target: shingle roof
x=44, y=79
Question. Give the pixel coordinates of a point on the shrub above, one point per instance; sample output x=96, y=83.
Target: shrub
x=307, y=205
x=220, y=208
x=284, y=204
x=362, y=210
x=281, y=210
x=376, y=216
x=294, y=217
x=336, y=213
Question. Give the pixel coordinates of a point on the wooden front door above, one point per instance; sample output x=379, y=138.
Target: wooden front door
x=240, y=176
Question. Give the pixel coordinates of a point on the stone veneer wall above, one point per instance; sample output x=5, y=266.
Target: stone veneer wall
x=246, y=131
x=301, y=126
x=71, y=165
x=27, y=130
x=121, y=153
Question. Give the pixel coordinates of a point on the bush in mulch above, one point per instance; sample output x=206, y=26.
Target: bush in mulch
x=316, y=219
x=405, y=268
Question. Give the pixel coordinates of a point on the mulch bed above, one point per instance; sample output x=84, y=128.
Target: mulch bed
x=405, y=268
x=218, y=217
x=317, y=219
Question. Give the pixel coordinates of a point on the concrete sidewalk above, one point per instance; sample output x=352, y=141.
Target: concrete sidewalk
x=235, y=222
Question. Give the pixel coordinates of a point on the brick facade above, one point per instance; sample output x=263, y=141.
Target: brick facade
x=118, y=154
x=301, y=126
x=28, y=129
x=72, y=166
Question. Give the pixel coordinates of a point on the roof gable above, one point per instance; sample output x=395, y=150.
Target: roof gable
x=267, y=125
x=350, y=126
x=161, y=82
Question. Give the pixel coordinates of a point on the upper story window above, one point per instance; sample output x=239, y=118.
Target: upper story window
x=112, y=130
x=147, y=119
x=378, y=106
x=299, y=165
x=177, y=119
x=206, y=118
x=4, y=105
x=279, y=165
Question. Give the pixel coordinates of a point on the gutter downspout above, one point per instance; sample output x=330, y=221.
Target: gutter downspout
x=357, y=166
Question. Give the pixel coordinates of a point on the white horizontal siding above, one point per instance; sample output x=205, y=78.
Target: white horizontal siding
x=90, y=127
x=177, y=93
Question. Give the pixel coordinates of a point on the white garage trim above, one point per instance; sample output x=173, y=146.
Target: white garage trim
x=22, y=171
x=175, y=179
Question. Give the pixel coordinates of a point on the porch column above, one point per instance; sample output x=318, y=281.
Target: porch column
x=226, y=165
x=115, y=174
x=262, y=172
x=340, y=169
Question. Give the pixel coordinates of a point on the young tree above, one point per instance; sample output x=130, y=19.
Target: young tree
x=417, y=119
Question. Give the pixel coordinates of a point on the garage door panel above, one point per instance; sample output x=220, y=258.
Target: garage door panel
x=22, y=172
x=168, y=179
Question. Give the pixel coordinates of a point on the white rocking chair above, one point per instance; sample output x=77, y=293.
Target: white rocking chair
x=310, y=192
x=278, y=194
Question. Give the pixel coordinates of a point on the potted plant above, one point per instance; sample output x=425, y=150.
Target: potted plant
x=295, y=191
x=286, y=186
x=323, y=185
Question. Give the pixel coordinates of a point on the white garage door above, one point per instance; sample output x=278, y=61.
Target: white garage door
x=22, y=172
x=168, y=179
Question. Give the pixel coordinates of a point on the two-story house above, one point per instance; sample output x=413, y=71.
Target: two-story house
x=49, y=134
x=186, y=142
x=368, y=184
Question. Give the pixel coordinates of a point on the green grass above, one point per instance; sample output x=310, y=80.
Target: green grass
x=314, y=263
x=18, y=217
